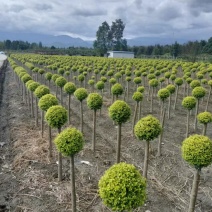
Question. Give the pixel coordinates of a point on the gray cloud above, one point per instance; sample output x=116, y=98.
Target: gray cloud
x=82, y=18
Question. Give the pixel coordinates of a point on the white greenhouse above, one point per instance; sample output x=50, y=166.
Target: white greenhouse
x=120, y=54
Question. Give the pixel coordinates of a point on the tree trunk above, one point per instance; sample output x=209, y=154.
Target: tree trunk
x=50, y=142
x=204, y=129
x=69, y=109
x=161, y=134
x=194, y=191
x=73, y=190
x=187, y=126
x=151, y=105
x=139, y=114
x=134, y=117
x=32, y=105
x=42, y=122
x=169, y=106
x=146, y=159
x=196, y=112
x=94, y=131
x=36, y=111
x=61, y=95
x=209, y=94
x=127, y=90
x=118, y=143
x=59, y=162
x=81, y=118
x=175, y=101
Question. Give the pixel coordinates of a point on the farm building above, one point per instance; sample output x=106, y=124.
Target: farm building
x=120, y=54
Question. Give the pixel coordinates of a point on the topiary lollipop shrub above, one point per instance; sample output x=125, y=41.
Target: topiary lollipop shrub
x=119, y=112
x=122, y=188
x=60, y=82
x=69, y=142
x=81, y=94
x=137, y=97
x=32, y=86
x=204, y=118
x=117, y=90
x=163, y=94
x=137, y=81
x=153, y=83
x=197, y=151
x=48, y=77
x=91, y=82
x=56, y=117
x=171, y=89
x=198, y=93
x=128, y=80
x=94, y=102
x=69, y=88
x=44, y=104
x=188, y=103
x=100, y=86
x=112, y=81
x=40, y=91
x=147, y=129
x=178, y=82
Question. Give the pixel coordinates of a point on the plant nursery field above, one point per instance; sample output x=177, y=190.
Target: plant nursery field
x=29, y=177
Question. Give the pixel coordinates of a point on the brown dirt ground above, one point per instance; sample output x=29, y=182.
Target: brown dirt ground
x=28, y=179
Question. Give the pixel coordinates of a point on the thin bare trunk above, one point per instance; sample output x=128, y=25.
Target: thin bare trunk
x=146, y=159
x=187, y=125
x=42, y=122
x=196, y=112
x=59, y=162
x=134, y=117
x=81, y=118
x=36, y=111
x=161, y=135
x=194, y=191
x=209, y=94
x=175, y=101
x=94, y=131
x=50, y=142
x=118, y=143
x=69, y=109
x=73, y=190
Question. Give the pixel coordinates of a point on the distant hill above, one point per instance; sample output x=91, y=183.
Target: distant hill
x=64, y=41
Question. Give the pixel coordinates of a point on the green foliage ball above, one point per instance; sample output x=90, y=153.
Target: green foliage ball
x=91, y=82
x=81, y=78
x=46, y=101
x=171, y=88
x=128, y=79
x=198, y=92
x=147, y=128
x=112, y=81
x=163, y=93
x=41, y=90
x=194, y=84
x=141, y=89
x=137, y=96
x=56, y=116
x=69, y=88
x=55, y=76
x=137, y=80
x=28, y=82
x=189, y=102
x=119, y=111
x=117, y=89
x=122, y=187
x=69, y=142
x=100, y=85
x=25, y=78
x=103, y=79
x=94, y=101
x=32, y=86
x=41, y=71
x=153, y=83
x=81, y=94
x=210, y=83
x=197, y=151
x=61, y=71
x=48, y=76
x=178, y=81
x=204, y=117
x=167, y=75
x=60, y=81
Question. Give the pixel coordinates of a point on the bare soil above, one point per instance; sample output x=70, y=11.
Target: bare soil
x=28, y=178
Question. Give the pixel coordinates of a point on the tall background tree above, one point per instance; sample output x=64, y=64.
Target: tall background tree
x=110, y=37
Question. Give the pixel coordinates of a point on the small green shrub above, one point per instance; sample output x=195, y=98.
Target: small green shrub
x=122, y=187
x=197, y=151
x=204, y=117
x=60, y=81
x=69, y=88
x=171, y=88
x=81, y=94
x=69, y=142
x=163, y=93
x=147, y=128
x=198, y=92
x=56, y=116
x=41, y=91
x=94, y=101
x=32, y=86
x=137, y=96
x=189, y=102
x=117, y=89
x=100, y=85
x=46, y=101
x=194, y=84
x=178, y=81
x=119, y=111
x=141, y=89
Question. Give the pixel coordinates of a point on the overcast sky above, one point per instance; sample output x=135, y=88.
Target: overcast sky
x=190, y=19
